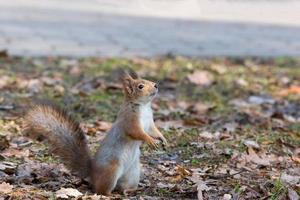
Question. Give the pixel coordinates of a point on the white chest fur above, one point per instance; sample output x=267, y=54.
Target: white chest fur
x=146, y=116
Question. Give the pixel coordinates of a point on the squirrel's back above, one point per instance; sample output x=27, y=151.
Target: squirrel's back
x=66, y=138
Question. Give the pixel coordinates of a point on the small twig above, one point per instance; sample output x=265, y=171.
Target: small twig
x=225, y=175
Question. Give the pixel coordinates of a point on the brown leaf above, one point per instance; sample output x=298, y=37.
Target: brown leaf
x=294, y=89
x=241, y=82
x=199, y=108
x=90, y=130
x=296, y=159
x=183, y=105
x=253, y=157
x=59, y=89
x=201, y=78
x=75, y=71
x=4, y=81
x=66, y=193
x=195, y=121
x=182, y=171
x=220, y=69
x=5, y=188
x=16, y=153
x=103, y=126
x=175, y=179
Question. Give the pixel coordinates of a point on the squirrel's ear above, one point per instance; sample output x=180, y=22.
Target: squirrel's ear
x=127, y=82
x=133, y=74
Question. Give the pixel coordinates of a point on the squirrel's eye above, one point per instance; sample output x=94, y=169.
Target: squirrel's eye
x=141, y=86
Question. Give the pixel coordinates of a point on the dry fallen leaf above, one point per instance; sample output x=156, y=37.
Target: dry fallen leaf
x=201, y=78
x=241, y=82
x=289, y=179
x=294, y=89
x=163, y=185
x=254, y=158
x=65, y=193
x=227, y=197
x=75, y=71
x=292, y=194
x=220, y=69
x=103, y=126
x=195, y=121
x=49, y=81
x=296, y=159
x=182, y=171
x=199, y=108
x=34, y=85
x=59, y=89
x=201, y=186
x=95, y=197
x=251, y=143
x=296, y=156
x=18, y=153
x=4, y=81
x=208, y=135
x=5, y=188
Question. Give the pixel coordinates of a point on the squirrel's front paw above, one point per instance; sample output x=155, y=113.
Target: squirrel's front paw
x=151, y=142
x=164, y=140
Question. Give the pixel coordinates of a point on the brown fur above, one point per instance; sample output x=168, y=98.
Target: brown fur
x=66, y=138
x=103, y=178
x=131, y=125
x=133, y=129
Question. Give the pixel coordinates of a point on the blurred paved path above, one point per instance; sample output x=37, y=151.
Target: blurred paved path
x=150, y=27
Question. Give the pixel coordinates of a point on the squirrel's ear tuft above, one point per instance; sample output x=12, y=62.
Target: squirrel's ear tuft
x=133, y=74
x=128, y=72
x=127, y=82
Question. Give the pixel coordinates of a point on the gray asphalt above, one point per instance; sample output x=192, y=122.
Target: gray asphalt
x=32, y=31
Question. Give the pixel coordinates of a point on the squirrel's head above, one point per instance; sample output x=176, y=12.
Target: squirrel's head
x=138, y=90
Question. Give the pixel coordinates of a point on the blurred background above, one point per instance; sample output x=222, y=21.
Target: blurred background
x=126, y=28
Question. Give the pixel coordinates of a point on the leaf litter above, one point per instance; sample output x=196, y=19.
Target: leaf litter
x=232, y=125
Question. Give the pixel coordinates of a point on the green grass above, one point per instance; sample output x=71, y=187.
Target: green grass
x=278, y=190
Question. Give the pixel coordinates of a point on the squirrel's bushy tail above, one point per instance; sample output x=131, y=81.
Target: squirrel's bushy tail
x=66, y=138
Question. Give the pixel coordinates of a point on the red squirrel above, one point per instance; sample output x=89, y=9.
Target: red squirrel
x=116, y=164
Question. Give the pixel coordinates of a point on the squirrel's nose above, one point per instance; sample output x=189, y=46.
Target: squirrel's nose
x=155, y=85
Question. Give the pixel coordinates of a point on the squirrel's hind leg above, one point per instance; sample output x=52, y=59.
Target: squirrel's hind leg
x=105, y=178
x=130, y=180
